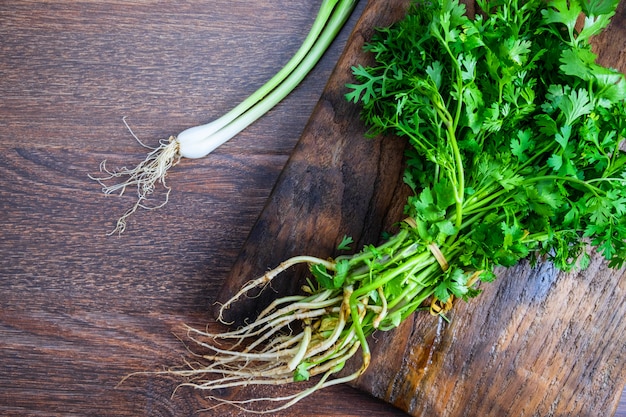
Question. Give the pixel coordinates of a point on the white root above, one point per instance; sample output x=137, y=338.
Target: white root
x=272, y=322
x=144, y=177
x=293, y=363
x=383, y=311
x=293, y=303
x=269, y=276
x=311, y=334
x=288, y=401
x=296, y=338
x=341, y=322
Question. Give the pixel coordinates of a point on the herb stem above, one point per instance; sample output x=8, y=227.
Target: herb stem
x=595, y=190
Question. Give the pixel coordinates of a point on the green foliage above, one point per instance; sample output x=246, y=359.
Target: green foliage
x=331, y=280
x=515, y=152
x=301, y=373
x=453, y=282
x=345, y=243
x=515, y=131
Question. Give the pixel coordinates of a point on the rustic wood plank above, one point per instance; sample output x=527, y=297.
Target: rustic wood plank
x=80, y=310
x=537, y=342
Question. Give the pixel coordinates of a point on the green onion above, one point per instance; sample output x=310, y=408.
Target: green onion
x=199, y=141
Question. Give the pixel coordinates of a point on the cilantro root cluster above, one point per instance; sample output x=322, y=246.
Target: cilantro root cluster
x=514, y=134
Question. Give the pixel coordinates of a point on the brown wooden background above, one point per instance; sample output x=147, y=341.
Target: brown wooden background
x=80, y=310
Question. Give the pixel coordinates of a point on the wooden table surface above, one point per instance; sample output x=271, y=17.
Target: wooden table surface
x=80, y=309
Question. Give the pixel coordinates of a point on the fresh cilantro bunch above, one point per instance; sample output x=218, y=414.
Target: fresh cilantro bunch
x=515, y=137
x=515, y=130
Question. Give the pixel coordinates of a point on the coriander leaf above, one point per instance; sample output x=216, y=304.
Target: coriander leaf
x=546, y=124
x=612, y=84
x=301, y=373
x=446, y=228
x=593, y=25
x=434, y=71
x=425, y=206
x=345, y=243
x=366, y=91
x=324, y=279
x=443, y=194
x=342, y=267
x=599, y=7
x=453, y=283
x=441, y=292
x=522, y=144
x=395, y=318
x=512, y=234
x=576, y=104
x=578, y=62
x=487, y=276
x=562, y=11
x=518, y=50
x=563, y=136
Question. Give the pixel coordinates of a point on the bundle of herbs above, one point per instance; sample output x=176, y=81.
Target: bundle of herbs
x=515, y=135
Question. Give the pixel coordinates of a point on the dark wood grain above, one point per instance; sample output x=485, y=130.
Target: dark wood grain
x=335, y=183
x=79, y=309
x=537, y=342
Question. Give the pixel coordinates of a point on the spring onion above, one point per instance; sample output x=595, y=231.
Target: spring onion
x=199, y=141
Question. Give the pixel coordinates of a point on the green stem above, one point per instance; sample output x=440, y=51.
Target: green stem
x=595, y=190
x=277, y=89
x=451, y=129
x=460, y=177
x=413, y=289
x=317, y=28
x=354, y=297
x=459, y=181
x=422, y=259
x=483, y=199
x=396, y=241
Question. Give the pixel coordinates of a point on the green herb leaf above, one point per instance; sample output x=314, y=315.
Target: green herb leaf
x=345, y=243
x=301, y=373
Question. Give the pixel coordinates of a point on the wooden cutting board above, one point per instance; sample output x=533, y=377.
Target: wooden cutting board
x=536, y=342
